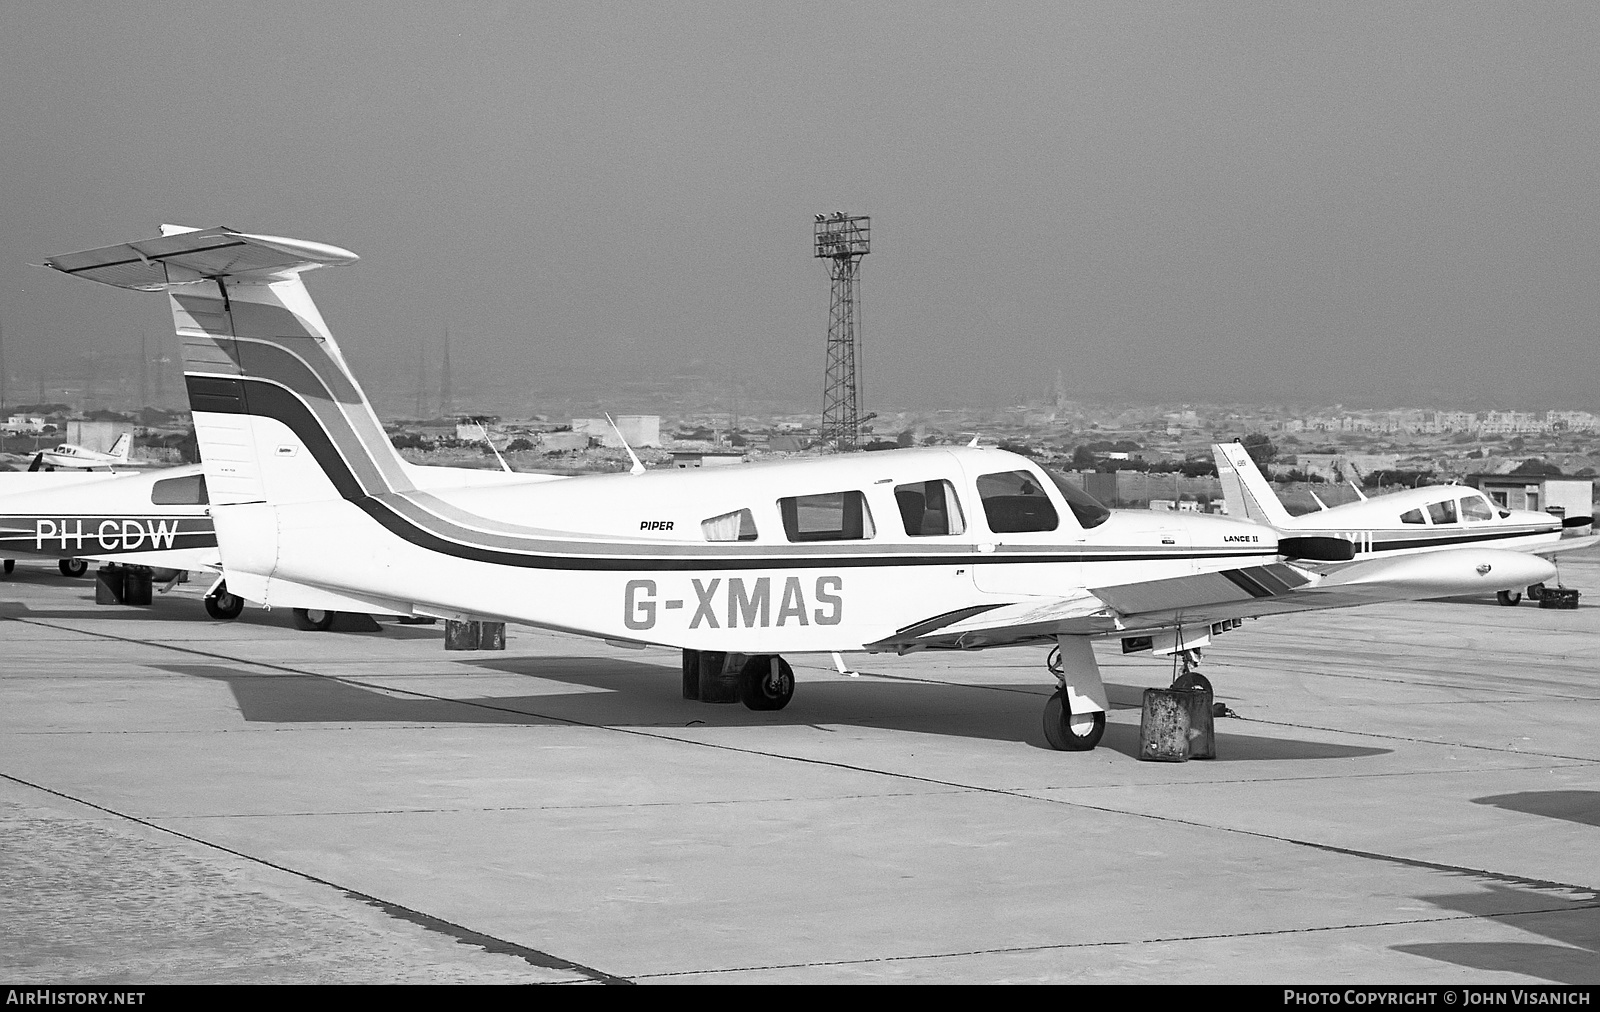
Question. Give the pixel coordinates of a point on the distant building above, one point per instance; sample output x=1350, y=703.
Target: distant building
x=24, y=424
x=638, y=430
x=706, y=458
x=97, y=436
x=1565, y=497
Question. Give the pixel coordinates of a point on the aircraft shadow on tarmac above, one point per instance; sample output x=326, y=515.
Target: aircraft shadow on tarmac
x=1582, y=807
x=639, y=694
x=184, y=609
x=1572, y=924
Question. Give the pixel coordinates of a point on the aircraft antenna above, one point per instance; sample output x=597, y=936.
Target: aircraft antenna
x=843, y=239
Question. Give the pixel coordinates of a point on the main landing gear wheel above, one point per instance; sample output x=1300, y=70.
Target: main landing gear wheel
x=73, y=567
x=312, y=619
x=1536, y=592
x=763, y=688
x=10, y=565
x=223, y=605
x=1509, y=598
x=1192, y=680
x=1071, y=732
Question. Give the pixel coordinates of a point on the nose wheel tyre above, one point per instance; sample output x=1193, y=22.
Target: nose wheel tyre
x=1509, y=598
x=313, y=620
x=763, y=688
x=1071, y=732
x=223, y=605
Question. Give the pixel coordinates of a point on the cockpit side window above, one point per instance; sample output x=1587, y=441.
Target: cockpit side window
x=1474, y=508
x=831, y=516
x=1085, y=507
x=1013, y=503
x=1412, y=517
x=736, y=526
x=189, y=490
x=1443, y=512
x=929, y=509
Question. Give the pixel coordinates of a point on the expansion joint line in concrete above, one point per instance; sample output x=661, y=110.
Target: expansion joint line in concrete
x=1160, y=940
x=460, y=933
x=975, y=788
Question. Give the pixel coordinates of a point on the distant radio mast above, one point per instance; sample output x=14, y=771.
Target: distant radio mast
x=446, y=395
x=843, y=239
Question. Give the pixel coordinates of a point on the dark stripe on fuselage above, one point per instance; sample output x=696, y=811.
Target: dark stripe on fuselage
x=265, y=398
x=1405, y=544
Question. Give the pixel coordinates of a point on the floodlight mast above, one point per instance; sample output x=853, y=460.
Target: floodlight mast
x=843, y=239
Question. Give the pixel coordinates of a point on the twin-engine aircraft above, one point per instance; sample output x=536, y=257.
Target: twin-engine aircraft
x=71, y=455
x=904, y=550
x=1428, y=520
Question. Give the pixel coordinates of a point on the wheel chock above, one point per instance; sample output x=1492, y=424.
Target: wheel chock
x=108, y=584
x=1175, y=725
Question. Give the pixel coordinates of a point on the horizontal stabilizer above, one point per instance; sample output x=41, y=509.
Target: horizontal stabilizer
x=150, y=265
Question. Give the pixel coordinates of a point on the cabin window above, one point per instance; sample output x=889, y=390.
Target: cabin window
x=190, y=490
x=1473, y=508
x=831, y=516
x=739, y=525
x=929, y=509
x=1014, y=503
x=1443, y=512
x=1085, y=507
x=1412, y=517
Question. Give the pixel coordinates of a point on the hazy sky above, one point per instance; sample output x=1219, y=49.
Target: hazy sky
x=1317, y=201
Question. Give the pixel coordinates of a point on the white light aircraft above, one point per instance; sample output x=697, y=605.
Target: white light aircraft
x=1428, y=520
x=902, y=550
x=157, y=519
x=71, y=455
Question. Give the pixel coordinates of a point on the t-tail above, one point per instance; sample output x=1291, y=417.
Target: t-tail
x=278, y=416
x=1245, y=489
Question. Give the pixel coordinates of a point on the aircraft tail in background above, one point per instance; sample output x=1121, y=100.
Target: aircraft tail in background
x=1245, y=489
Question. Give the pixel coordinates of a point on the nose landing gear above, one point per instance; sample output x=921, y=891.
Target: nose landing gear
x=1075, y=714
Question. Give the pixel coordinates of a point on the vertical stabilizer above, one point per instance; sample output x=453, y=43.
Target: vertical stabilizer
x=278, y=415
x=122, y=447
x=1245, y=489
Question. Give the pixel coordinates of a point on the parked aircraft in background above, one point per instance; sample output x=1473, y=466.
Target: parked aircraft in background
x=903, y=550
x=1431, y=519
x=157, y=519
x=71, y=455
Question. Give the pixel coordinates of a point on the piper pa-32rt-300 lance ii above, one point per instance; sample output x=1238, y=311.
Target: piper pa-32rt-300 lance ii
x=73, y=456
x=1427, y=520
x=930, y=548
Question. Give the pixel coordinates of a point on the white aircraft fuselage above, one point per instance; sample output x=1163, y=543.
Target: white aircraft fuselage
x=626, y=557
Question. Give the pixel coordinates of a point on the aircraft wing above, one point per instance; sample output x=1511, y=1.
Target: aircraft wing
x=1203, y=598
x=1569, y=545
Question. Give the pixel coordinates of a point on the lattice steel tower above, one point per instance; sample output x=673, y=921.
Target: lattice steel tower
x=843, y=239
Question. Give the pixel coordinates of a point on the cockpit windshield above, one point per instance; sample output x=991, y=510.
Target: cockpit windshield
x=1083, y=505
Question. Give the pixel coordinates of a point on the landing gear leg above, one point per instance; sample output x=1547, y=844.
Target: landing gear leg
x=1075, y=716
x=1190, y=677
